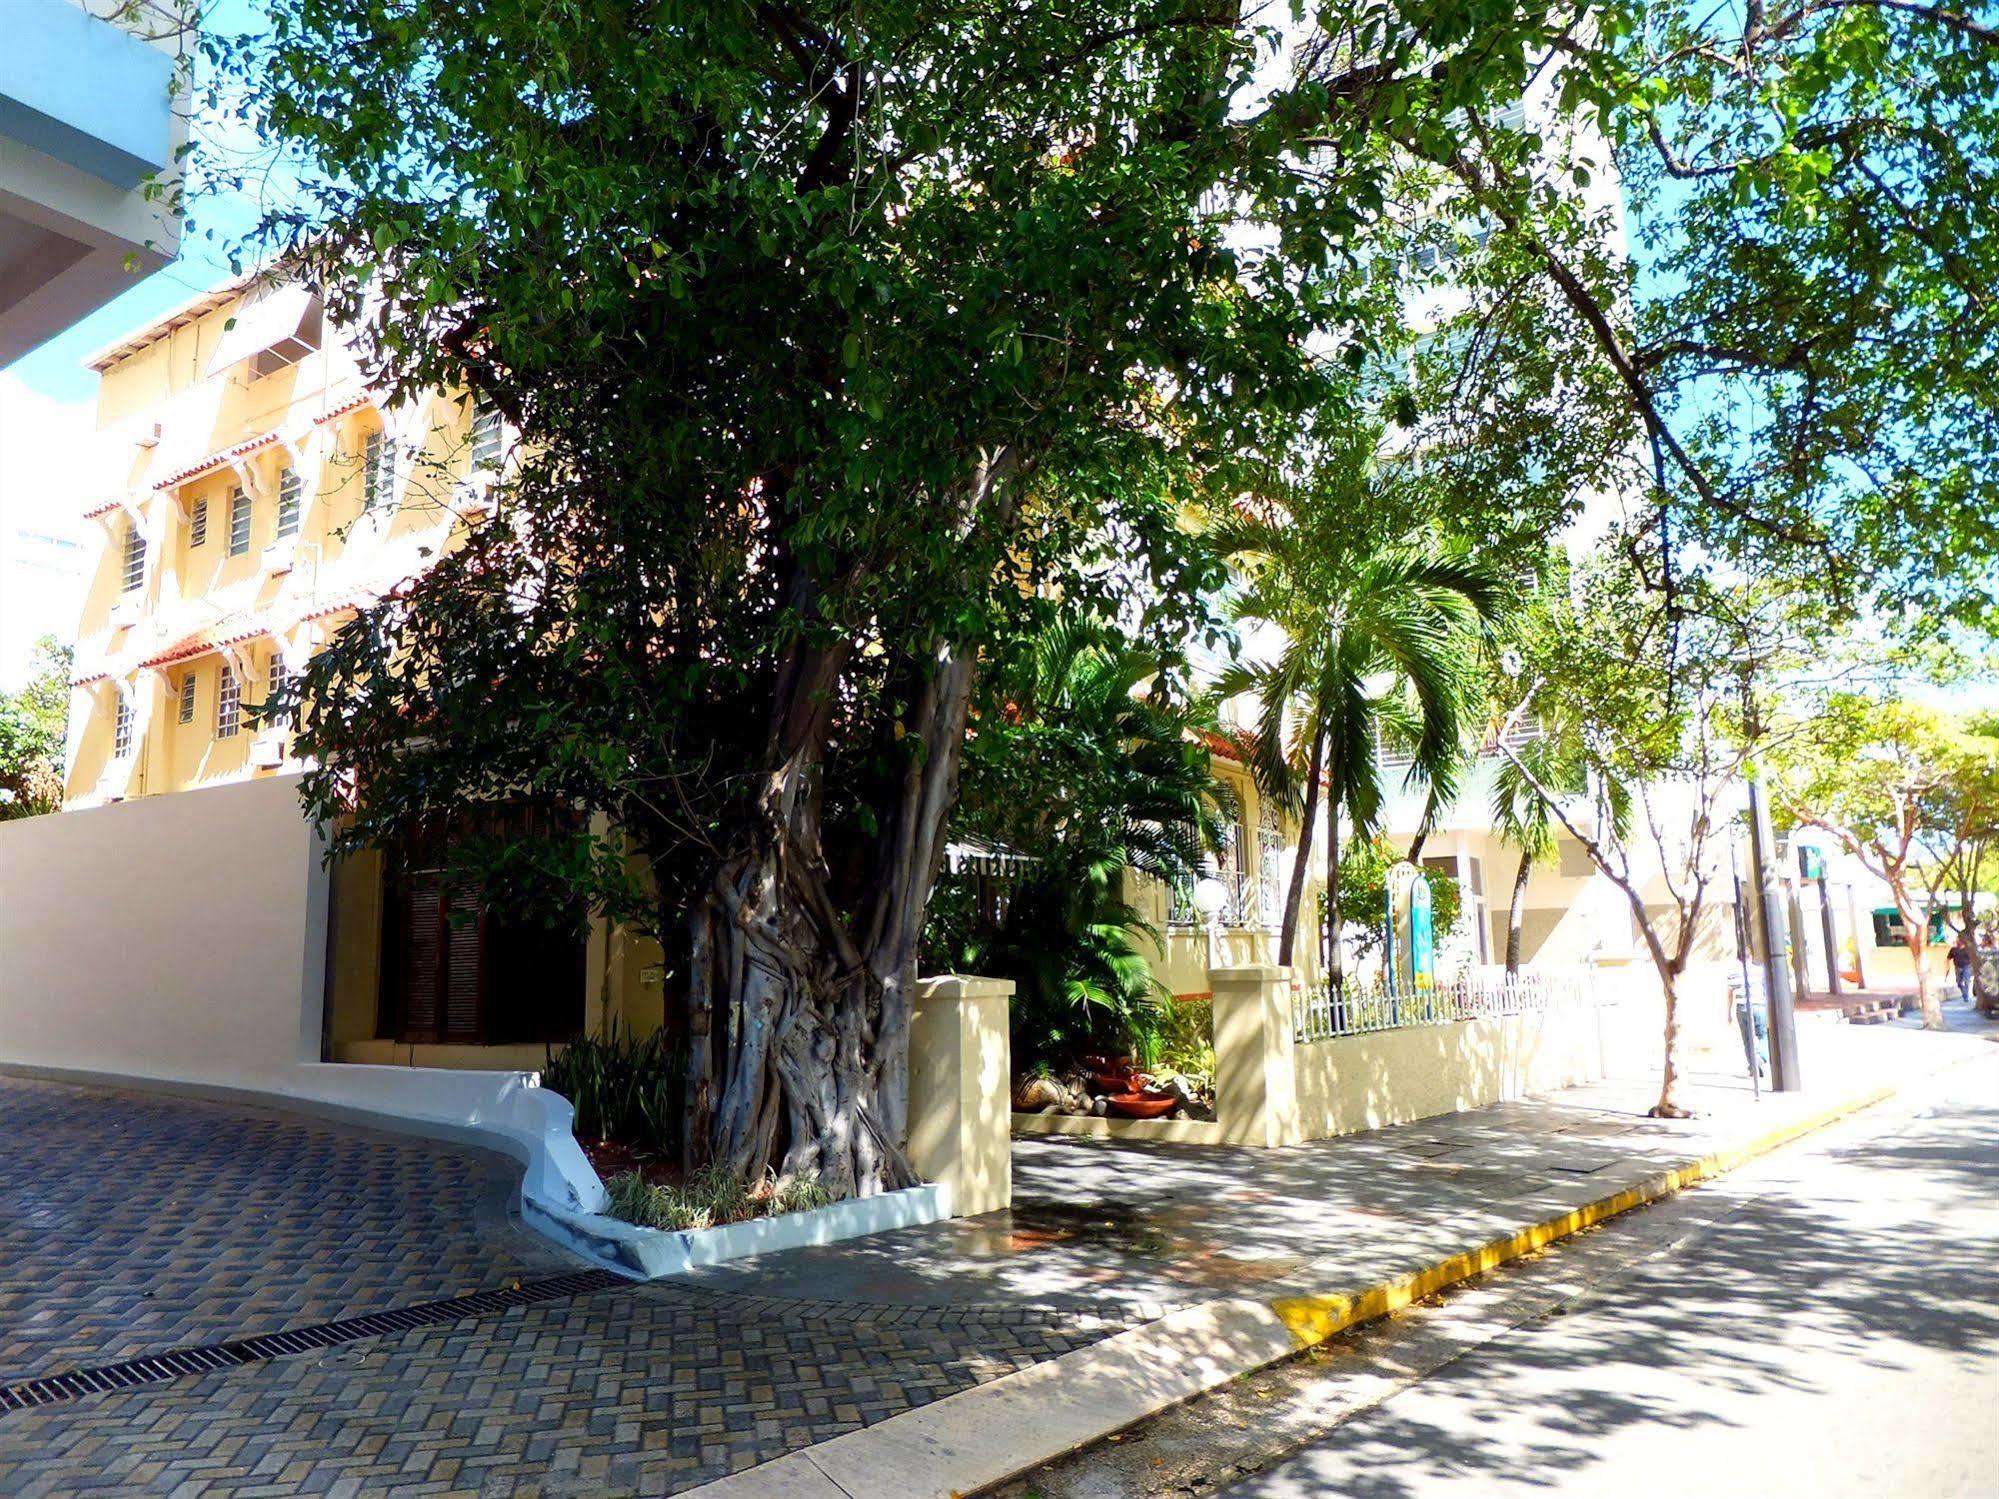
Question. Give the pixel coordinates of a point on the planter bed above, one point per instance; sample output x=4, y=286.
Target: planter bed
x=651, y=1253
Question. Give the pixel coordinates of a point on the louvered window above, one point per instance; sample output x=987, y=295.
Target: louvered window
x=187, y=696
x=228, y=704
x=457, y=974
x=197, y=524
x=239, y=523
x=121, y=733
x=290, y=489
x=275, y=684
x=378, y=470
x=486, y=434
x=134, y=572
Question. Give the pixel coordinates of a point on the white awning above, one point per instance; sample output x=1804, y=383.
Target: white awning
x=277, y=326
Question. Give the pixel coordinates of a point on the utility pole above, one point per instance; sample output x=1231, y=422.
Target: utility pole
x=1784, y=1073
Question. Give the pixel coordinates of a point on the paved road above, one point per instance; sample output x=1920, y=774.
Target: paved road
x=1831, y=1329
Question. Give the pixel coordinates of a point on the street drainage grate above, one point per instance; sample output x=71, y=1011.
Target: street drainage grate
x=179, y=1362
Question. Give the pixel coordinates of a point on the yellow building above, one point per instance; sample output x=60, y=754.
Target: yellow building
x=267, y=493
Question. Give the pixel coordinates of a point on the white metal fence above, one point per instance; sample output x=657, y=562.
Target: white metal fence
x=1361, y=1007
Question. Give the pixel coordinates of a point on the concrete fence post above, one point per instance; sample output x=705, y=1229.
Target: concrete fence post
x=960, y=1090
x=1256, y=1089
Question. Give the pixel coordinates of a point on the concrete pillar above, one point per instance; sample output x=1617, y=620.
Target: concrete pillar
x=1256, y=1092
x=960, y=1090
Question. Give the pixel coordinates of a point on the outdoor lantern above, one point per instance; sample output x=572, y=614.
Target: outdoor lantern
x=1211, y=896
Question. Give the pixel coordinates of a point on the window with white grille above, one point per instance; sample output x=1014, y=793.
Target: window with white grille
x=378, y=470
x=121, y=732
x=290, y=490
x=486, y=434
x=1520, y=732
x=1391, y=748
x=228, y=704
x=187, y=696
x=239, y=523
x=135, y=557
x=197, y=524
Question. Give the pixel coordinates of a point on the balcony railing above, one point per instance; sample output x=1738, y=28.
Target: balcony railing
x=1360, y=1008
x=1245, y=902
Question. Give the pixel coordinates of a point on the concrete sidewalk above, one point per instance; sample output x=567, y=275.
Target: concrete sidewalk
x=1228, y=1260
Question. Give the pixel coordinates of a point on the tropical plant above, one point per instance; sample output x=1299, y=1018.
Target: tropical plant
x=708, y=1198
x=624, y=1088
x=1086, y=767
x=1383, y=628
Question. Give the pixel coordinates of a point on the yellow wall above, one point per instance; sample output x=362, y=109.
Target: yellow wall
x=160, y=413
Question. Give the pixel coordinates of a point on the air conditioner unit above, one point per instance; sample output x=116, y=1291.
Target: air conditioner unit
x=279, y=555
x=267, y=751
x=125, y=613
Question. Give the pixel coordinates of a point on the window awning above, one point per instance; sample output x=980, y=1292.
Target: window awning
x=275, y=327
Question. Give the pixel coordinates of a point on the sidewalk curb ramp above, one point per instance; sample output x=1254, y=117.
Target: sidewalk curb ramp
x=983, y=1436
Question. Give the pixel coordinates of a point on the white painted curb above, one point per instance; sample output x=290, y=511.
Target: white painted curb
x=561, y=1196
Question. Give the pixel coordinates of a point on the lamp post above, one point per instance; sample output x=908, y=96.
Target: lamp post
x=1776, y=926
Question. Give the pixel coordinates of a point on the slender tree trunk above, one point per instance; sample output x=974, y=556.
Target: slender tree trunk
x=1514, y=914
x=1336, y=972
x=1670, y=1105
x=1926, y=995
x=1294, y=898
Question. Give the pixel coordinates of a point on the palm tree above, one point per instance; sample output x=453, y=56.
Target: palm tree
x=1383, y=627
x=1521, y=817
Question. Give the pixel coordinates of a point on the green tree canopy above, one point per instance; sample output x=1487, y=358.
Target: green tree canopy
x=832, y=337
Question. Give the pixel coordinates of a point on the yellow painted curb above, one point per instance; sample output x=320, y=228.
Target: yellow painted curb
x=1314, y=1318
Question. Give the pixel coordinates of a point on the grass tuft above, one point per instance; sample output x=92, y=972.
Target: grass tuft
x=709, y=1198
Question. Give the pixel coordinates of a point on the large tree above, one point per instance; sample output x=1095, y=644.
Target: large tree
x=1798, y=353
x=832, y=337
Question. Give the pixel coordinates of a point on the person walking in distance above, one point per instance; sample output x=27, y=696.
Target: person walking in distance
x=1961, y=961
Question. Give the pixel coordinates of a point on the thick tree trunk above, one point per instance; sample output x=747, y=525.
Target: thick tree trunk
x=1671, y=1105
x=1514, y=913
x=1294, y=898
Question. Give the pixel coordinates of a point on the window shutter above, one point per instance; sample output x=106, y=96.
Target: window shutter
x=187, y=696
x=239, y=523
x=290, y=488
x=197, y=526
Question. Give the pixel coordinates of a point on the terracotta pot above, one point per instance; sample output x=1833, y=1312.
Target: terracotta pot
x=1146, y=1105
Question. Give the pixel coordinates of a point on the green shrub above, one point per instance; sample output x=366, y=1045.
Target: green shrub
x=1187, y=1039
x=624, y=1088
x=709, y=1198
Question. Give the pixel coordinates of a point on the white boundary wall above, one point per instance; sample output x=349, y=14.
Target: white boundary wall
x=179, y=937
x=179, y=942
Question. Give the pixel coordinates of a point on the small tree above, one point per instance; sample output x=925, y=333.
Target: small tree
x=1902, y=787
x=1967, y=813
x=1651, y=695
x=33, y=722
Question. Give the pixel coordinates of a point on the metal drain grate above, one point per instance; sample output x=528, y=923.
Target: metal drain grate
x=177, y=1362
